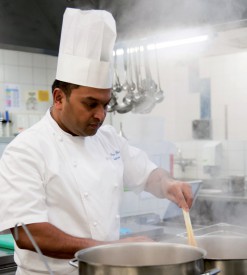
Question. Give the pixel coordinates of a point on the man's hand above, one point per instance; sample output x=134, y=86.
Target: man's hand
x=162, y=185
x=180, y=193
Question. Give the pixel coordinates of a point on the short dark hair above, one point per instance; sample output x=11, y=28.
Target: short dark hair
x=64, y=86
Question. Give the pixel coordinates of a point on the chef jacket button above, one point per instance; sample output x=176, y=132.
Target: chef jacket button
x=117, y=216
x=95, y=224
x=60, y=139
x=86, y=194
x=74, y=163
x=115, y=185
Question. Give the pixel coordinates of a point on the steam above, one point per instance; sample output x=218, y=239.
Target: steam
x=139, y=19
x=219, y=211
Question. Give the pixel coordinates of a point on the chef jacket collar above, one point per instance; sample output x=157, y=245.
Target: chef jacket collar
x=58, y=130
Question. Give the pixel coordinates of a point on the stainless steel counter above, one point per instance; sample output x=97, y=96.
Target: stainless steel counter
x=218, y=194
x=220, y=189
x=7, y=264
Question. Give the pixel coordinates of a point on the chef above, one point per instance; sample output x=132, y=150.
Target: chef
x=64, y=177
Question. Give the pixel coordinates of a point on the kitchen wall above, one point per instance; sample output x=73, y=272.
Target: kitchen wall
x=27, y=72
x=226, y=75
x=170, y=122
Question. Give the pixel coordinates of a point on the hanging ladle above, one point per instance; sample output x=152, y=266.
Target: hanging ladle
x=125, y=86
x=127, y=99
x=159, y=94
x=123, y=108
x=117, y=85
x=138, y=92
x=132, y=85
x=111, y=107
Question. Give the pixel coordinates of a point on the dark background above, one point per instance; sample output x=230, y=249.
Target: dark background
x=35, y=25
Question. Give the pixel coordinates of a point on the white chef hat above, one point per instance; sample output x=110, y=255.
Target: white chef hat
x=86, y=47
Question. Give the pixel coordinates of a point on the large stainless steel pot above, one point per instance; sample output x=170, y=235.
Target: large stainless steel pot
x=142, y=259
x=228, y=253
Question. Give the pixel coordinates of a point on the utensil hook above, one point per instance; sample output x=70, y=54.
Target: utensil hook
x=42, y=257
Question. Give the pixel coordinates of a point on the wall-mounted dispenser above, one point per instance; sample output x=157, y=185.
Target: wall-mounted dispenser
x=212, y=157
x=212, y=153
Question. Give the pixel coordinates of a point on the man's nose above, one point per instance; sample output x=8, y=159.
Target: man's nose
x=100, y=113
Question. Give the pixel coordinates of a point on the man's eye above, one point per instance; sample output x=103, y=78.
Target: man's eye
x=91, y=105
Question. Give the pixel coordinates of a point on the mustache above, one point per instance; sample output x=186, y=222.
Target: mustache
x=96, y=122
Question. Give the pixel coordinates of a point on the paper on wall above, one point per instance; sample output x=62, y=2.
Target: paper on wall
x=12, y=96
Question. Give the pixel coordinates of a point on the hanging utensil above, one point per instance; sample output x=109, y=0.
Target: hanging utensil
x=116, y=85
x=149, y=84
x=111, y=107
x=132, y=85
x=138, y=93
x=121, y=132
x=159, y=94
x=125, y=86
x=139, y=71
x=36, y=247
x=127, y=99
x=123, y=108
x=147, y=102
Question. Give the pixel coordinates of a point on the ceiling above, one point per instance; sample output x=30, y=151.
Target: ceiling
x=35, y=25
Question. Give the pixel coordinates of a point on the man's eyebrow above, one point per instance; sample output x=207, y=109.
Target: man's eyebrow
x=96, y=100
x=90, y=98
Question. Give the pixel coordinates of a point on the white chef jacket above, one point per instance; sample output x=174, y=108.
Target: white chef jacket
x=72, y=182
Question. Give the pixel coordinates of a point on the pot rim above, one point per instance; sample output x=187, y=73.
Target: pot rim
x=151, y=244
x=224, y=259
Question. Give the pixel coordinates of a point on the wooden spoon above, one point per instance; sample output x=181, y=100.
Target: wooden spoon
x=190, y=233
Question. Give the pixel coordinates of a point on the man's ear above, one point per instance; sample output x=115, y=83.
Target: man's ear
x=58, y=96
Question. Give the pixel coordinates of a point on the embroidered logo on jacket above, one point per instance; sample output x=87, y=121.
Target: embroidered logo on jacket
x=115, y=155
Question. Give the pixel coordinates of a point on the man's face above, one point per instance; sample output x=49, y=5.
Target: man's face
x=83, y=112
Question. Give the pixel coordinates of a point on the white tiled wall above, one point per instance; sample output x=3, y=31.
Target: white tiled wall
x=30, y=72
